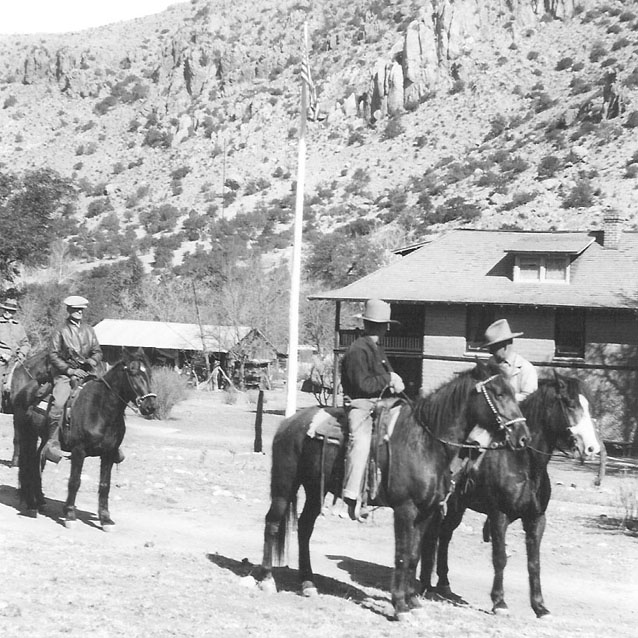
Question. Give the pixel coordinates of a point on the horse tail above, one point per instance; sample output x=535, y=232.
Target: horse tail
x=286, y=527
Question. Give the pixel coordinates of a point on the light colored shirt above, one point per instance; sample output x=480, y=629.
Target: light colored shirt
x=520, y=373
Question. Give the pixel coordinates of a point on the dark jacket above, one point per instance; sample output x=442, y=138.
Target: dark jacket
x=365, y=370
x=71, y=346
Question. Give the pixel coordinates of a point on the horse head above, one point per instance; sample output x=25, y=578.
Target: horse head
x=579, y=430
x=138, y=372
x=494, y=408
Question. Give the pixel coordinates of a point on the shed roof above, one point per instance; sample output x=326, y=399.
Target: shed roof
x=169, y=336
x=475, y=266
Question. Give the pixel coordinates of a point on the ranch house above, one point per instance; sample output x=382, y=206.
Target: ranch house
x=574, y=295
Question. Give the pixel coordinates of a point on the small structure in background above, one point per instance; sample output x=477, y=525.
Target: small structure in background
x=255, y=363
x=199, y=351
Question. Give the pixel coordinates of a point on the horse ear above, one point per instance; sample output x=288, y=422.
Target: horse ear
x=481, y=371
x=560, y=382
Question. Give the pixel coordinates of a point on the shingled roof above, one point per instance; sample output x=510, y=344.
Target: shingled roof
x=476, y=266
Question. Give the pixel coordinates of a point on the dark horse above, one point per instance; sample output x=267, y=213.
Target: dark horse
x=33, y=368
x=96, y=429
x=512, y=484
x=415, y=471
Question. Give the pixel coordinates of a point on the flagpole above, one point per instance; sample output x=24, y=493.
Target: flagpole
x=295, y=271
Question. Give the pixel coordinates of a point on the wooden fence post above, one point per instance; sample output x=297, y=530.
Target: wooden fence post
x=257, y=447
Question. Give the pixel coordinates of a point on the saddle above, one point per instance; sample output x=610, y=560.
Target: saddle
x=44, y=399
x=384, y=419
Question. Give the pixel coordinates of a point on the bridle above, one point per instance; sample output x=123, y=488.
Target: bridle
x=502, y=424
x=138, y=399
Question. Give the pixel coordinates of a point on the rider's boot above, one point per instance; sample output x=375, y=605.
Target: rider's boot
x=52, y=451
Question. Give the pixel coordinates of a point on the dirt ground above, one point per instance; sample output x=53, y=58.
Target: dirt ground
x=189, y=503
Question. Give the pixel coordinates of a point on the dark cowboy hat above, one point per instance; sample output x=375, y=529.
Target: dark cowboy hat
x=498, y=332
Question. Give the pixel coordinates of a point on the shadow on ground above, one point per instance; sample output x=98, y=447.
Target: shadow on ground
x=51, y=509
x=287, y=580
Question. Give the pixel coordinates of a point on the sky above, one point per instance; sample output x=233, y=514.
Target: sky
x=60, y=16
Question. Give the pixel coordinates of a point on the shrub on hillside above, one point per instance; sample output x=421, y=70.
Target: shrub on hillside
x=157, y=139
x=455, y=209
x=10, y=101
x=394, y=128
x=98, y=207
x=564, y=64
x=619, y=44
x=548, y=166
x=105, y=105
x=626, y=16
x=581, y=196
x=170, y=387
x=598, y=52
x=632, y=120
x=614, y=29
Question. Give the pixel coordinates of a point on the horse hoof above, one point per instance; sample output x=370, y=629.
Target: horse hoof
x=108, y=527
x=544, y=614
x=308, y=589
x=405, y=617
x=30, y=513
x=268, y=586
x=70, y=524
x=501, y=611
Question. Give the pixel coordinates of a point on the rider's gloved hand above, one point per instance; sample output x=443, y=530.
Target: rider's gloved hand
x=77, y=372
x=396, y=383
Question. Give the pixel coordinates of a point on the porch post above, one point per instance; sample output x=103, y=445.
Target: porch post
x=335, y=369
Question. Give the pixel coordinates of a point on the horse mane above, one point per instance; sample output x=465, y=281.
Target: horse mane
x=445, y=404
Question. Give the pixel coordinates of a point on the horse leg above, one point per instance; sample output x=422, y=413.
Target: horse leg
x=75, y=478
x=106, y=465
x=29, y=471
x=498, y=529
x=534, y=527
x=405, y=557
x=274, y=541
x=448, y=527
x=305, y=527
x=15, y=458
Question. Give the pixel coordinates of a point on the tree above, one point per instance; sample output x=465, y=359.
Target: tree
x=339, y=260
x=31, y=207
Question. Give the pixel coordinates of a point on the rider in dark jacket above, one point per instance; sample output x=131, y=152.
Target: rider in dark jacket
x=74, y=352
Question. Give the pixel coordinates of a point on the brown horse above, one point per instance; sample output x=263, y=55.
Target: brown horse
x=510, y=484
x=415, y=471
x=97, y=428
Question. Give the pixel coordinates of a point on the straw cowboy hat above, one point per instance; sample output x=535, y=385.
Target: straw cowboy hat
x=9, y=304
x=75, y=301
x=377, y=311
x=498, y=332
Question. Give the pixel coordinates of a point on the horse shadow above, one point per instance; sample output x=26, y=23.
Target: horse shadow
x=287, y=580
x=51, y=509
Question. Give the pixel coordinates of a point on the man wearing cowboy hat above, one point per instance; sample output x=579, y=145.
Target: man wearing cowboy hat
x=520, y=373
x=365, y=374
x=74, y=353
x=14, y=343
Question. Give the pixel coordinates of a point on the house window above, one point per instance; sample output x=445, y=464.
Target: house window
x=569, y=333
x=541, y=268
x=478, y=318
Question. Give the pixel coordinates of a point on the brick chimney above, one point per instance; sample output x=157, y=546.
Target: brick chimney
x=611, y=230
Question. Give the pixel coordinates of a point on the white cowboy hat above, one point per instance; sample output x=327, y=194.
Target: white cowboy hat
x=75, y=301
x=498, y=332
x=377, y=311
x=9, y=304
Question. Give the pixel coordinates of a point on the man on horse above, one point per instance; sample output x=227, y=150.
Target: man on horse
x=14, y=343
x=74, y=353
x=366, y=374
x=520, y=373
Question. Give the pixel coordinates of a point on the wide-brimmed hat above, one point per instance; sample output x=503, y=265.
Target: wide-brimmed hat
x=75, y=301
x=377, y=311
x=9, y=304
x=498, y=332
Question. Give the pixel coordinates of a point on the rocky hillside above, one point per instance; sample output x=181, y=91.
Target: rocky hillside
x=430, y=113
